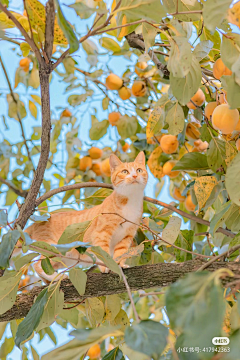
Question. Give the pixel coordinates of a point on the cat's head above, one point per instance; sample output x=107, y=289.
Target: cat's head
x=132, y=175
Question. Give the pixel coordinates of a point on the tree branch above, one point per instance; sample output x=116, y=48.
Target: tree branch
x=136, y=41
x=140, y=277
x=146, y=198
x=49, y=29
x=21, y=192
x=23, y=32
x=28, y=207
x=18, y=115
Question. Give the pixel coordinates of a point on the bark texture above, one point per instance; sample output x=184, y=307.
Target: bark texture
x=139, y=278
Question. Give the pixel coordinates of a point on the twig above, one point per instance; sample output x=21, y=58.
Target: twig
x=146, y=198
x=18, y=192
x=227, y=253
x=80, y=302
x=186, y=12
x=18, y=115
x=152, y=293
x=125, y=25
x=30, y=26
x=130, y=295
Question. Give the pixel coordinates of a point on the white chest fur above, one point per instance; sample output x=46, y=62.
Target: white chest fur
x=132, y=211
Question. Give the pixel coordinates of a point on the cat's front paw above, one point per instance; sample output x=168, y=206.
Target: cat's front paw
x=124, y=266
x=104, y=269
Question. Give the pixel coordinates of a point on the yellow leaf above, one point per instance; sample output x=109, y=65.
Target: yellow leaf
x=153, y=163
x=33, y=109
x=25, y=48
x=231, y=152
x=5, y=22
x=234, y=14
x=36, y=98
x=155, y=122
x=37, y=17
x=203, y=187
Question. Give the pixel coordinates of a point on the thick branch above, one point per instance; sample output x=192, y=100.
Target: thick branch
x=139, y=278
x=49, y=29
x=146, y=198
x=28, y=207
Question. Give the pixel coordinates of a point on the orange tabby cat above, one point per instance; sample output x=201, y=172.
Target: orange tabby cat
x=108, y=231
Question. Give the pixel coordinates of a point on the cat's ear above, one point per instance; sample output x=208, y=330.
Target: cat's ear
x=140, y=159
x=114, y=161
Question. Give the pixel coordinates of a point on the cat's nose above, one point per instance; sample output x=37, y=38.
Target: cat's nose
x=134, y=176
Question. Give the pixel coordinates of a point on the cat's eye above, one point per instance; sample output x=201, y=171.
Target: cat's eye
x=125, y=172
x=139, y=171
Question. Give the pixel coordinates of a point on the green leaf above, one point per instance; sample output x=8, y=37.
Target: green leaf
x=40, y=218
x=98, y=129
x=184, y=241
x=47, y=266
x=187, y=7
x=149, y=33
x=90, y=336
x=94, y=311
x=23, y=260
x=78, y=245
x=193, y=301
x=233, y=220
x=106, y=259
x=53, y=306
x=41, y=246
x=114, y=354
x=3, y=218
x=6, y=347
x=175, y=119
x=232, y=180
x=230, y=49
x=171, y=231
x=216, y=154
x=7, y=244
x=127, y=126
x=184, y=88
x=148, y=337
x=105, y=103
x=233, y=90
x=219, y=218
x=33, y=109
x=110, y=44
x=78, y=279
x=202, y=49
x=31, y=321
x=112, y=306
x=74, y=232
x=214, y=12
x=67, y=29
x=72, y=350
x=146, y=254
x=8, y=290
x=75, y=100
x=83, y=10
x=180, y=57
x=151, y=10
x=192, y=161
